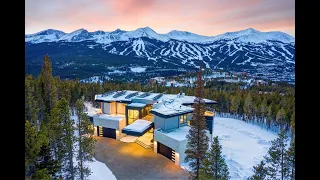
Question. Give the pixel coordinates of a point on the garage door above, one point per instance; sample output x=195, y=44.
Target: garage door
x=164, y=150
x=106, y=132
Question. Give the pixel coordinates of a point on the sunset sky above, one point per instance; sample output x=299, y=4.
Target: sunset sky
x=204, y=17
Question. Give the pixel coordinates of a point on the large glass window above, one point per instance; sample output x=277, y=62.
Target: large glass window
x=132, y=115
x=183, y=119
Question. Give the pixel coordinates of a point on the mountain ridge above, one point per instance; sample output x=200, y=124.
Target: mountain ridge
x=83, y=53
x=246, y=35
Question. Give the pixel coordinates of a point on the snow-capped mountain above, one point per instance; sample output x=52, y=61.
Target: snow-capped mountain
x=77, y=36
x=49, y=35
x=247, y=50
x=247, y=35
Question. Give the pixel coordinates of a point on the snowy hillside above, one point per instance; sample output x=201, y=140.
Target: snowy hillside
x=243, y=145
x=248, y=50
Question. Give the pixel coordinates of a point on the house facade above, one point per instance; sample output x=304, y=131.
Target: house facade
x=158, y=120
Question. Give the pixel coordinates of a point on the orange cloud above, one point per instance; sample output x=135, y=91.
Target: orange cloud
x=205, y=17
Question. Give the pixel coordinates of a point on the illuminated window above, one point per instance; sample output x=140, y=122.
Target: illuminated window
x=183, y=119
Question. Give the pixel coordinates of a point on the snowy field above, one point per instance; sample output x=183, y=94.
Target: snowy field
x=100, y=171
x=243, y=145
x=138, y=69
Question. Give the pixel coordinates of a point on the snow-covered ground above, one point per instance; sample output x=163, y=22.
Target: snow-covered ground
x=99, y=171
x=138, y=69
x=243, y=145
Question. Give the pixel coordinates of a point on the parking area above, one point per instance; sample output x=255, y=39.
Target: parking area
x=131, y=161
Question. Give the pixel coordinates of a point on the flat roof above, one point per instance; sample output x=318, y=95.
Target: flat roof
x=136, y=105
x=110, y=97
x=110, y=117
x=138, y=125
x=165, y=105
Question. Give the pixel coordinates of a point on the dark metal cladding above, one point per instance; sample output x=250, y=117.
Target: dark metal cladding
x=118, y=94
x=145, y=94
x=131, y=95
x=108, y=93
x=158, y=96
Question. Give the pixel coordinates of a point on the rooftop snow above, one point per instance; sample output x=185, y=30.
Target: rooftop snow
x=136, y=105
x=110, y=117
x=111, y=98
x=178, y=134
x=173, y=104
x=168, y=104
x=138, y=126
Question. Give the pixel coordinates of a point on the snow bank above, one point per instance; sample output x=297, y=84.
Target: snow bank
x=243, y=145
x=100, y=171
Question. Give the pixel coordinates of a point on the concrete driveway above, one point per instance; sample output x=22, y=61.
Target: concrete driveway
x=131, y=161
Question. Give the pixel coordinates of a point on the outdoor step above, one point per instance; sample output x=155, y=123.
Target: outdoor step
x=143, y=144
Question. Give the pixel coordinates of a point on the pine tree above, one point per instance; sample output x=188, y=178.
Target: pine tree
x=42, y=174
x=34, y=140
x=235, y=103
x=85, y=140
x=293, y=124
x=214, y=165
x=31, y=104
x=264, y=108
x=47, y=161
x=197, y=139
x=281, y=115
x=260, y=172
x=290, y=161
x=276, y=157
x=62, y=137
x=47, y=85
x=248, y=106
x=269, y=115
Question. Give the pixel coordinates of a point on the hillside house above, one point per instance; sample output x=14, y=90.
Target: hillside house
x=160, y=121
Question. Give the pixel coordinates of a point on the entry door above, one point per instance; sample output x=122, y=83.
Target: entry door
x=133, y=115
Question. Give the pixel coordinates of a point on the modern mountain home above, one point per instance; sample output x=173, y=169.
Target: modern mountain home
x=158, y=120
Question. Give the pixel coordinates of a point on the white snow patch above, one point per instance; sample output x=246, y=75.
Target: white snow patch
x=138, y=69
x=100, y=171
